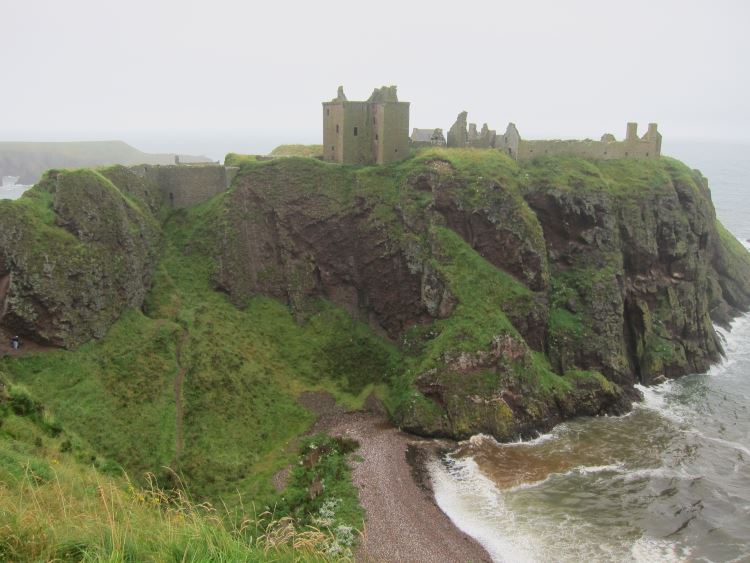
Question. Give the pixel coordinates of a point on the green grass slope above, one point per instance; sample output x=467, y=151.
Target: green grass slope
x=239, y=372
x=56, y=505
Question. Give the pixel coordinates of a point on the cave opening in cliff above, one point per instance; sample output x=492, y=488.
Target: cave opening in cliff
x=633, y=329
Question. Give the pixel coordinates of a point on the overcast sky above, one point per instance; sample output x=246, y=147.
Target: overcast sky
x=188, y=75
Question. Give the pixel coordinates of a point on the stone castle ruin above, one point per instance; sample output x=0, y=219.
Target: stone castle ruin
x=377, y=132
x=648, y=146
x=371, y=132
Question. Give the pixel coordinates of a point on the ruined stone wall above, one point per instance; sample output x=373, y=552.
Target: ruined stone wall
x=186, y=185
x=483, y=139
x=638, y=148
x=511, y=143
x=457, y=135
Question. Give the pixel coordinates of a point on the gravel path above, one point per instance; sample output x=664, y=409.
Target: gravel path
x=403, y=522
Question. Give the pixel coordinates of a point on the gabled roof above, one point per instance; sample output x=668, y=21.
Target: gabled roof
x=423, y=135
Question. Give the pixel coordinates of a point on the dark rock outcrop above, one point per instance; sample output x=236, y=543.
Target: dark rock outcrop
x=75, y=251
x=296, y=246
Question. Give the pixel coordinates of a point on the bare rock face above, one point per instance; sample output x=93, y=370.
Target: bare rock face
x=297, y=246
x=638, y=268
x=75, y=252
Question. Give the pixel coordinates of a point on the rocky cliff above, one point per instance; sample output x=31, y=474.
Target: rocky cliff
x=75, y=251
x=520, y=294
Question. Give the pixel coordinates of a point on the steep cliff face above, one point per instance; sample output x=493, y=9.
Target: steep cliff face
x=632, y=250
x=521, y=295
x=75, y=251
x=518, y=294
x=297, y=229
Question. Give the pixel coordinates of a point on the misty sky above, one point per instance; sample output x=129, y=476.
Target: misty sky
x=200, y=76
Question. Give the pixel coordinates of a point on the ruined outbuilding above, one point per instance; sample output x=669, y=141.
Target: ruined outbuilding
x=427, y=138
x=375, y=131
x=647, y=146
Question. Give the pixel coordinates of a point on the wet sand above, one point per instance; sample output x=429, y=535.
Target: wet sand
x=403, y=522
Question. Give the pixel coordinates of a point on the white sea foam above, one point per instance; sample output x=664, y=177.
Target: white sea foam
x=736, y=350
x=579, y=470
x=649, y=550
x=477, y=507
x=479, y=440
x=593, y=469
x=657, y=398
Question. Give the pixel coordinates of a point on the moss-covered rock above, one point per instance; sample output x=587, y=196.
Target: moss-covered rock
x=76, y=250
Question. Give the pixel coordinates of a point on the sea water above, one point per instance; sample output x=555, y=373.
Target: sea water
x=670, y=481
x=12, y=191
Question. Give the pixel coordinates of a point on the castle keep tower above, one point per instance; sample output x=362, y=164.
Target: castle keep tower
x=371, y=132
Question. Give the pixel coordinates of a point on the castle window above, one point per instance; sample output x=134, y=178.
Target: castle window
x=337, y=128
x=328, y=111
x=395, y=150
x=374, y=121
x=355, y=131
x=646, y=154
x=376, y=137
x=626, y=154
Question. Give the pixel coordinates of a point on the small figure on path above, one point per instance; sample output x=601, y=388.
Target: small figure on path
x=15, y=343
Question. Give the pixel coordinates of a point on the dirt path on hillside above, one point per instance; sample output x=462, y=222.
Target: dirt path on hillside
x=178, y=379
x=403, y=522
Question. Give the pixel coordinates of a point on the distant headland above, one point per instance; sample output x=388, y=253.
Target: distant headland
x=29, y=160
